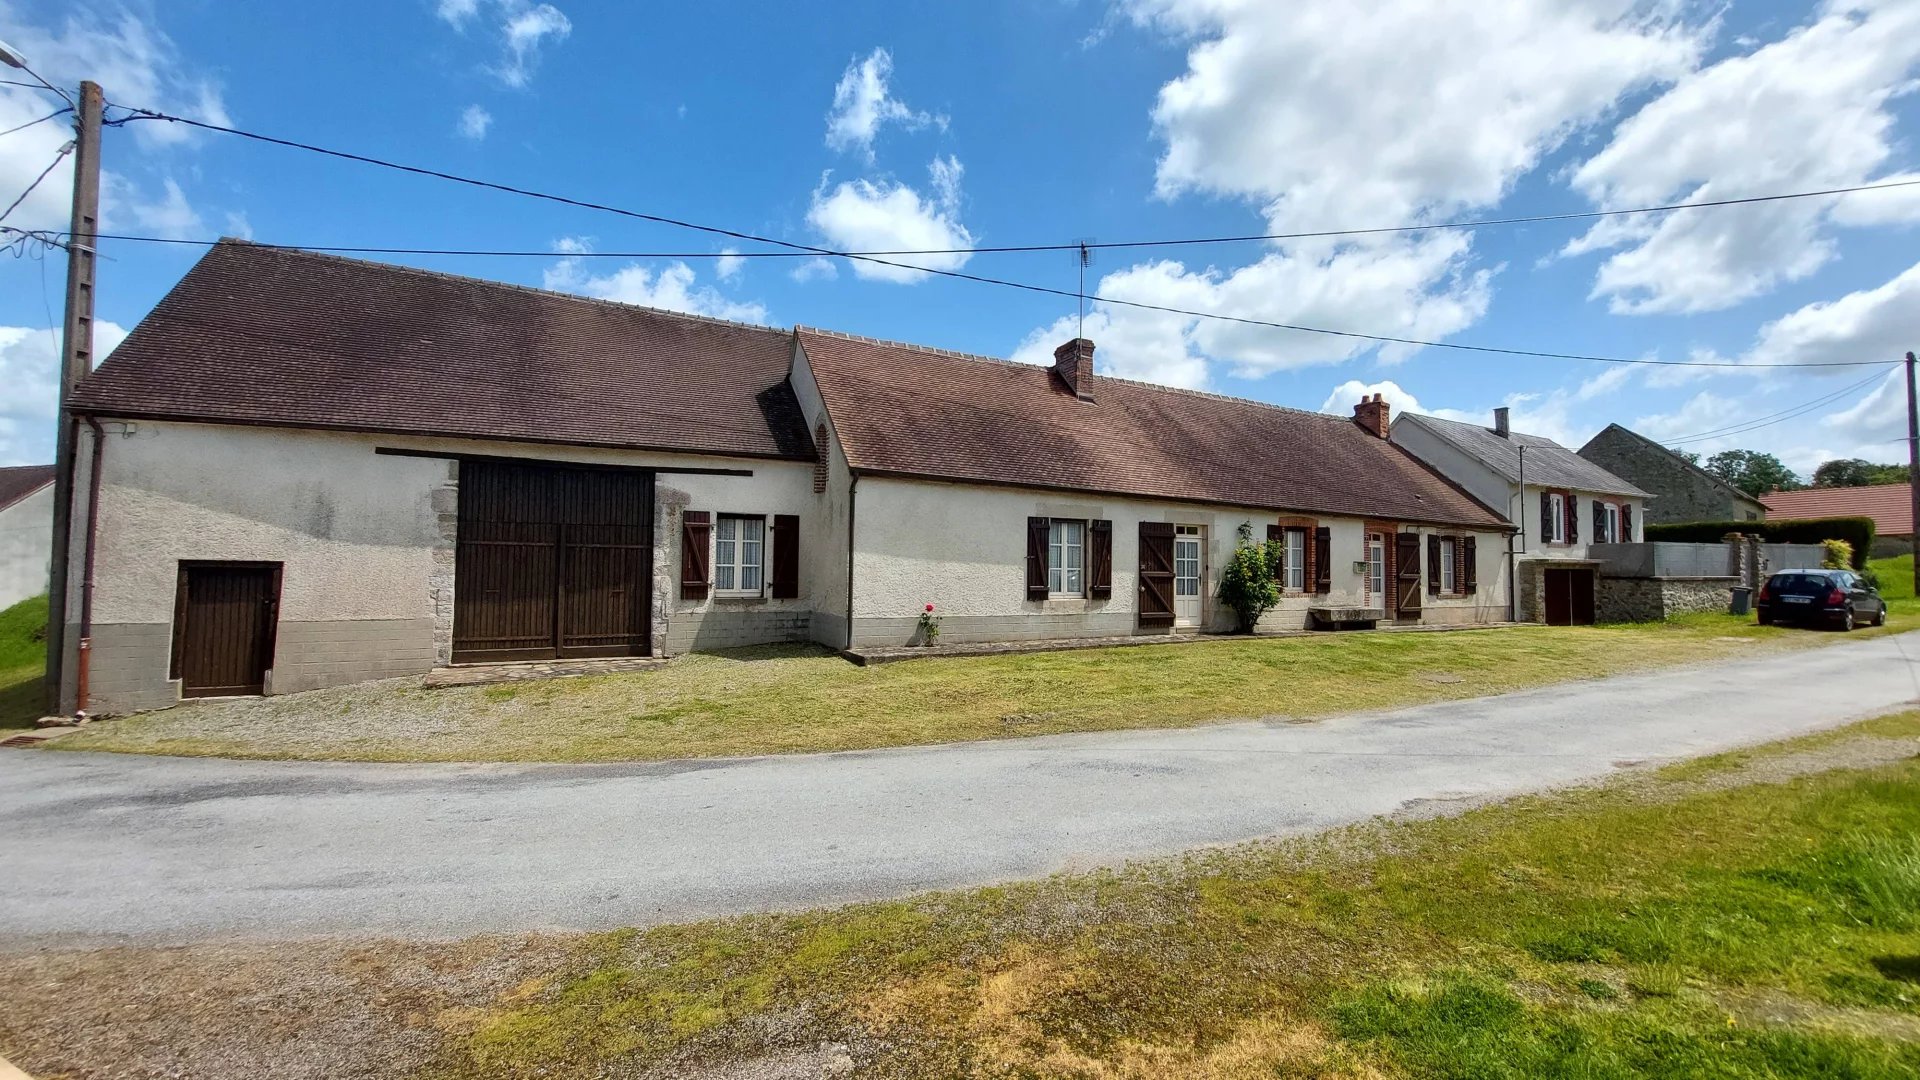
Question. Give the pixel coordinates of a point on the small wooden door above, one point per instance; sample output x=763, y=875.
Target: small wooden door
x=1406, y=575
x=223, y=627
x=1156, y=574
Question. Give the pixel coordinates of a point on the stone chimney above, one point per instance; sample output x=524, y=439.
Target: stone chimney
x=1500, y=422
x=1373, y=414
x=1073, y=362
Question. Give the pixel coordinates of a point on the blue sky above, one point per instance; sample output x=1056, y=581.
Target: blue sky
x=891, y=125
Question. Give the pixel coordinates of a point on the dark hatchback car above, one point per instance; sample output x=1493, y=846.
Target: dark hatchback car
x=1838, y=598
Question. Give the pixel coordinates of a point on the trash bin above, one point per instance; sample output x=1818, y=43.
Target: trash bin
x=1742, y=597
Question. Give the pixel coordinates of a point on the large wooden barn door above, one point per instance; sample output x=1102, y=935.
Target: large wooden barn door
x=552, y=563
x=223, y=627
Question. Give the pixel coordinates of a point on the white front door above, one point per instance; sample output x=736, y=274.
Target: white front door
x=1186, y=575
x=1376, y=569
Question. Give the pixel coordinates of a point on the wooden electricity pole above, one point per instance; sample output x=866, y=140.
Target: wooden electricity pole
x=1913, y=473
x=76, y=360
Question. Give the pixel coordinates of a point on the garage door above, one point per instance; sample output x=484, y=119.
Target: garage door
x=1569, y=599
x=552, y=563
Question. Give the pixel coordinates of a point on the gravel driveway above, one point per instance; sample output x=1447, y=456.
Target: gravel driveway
x=103, y=847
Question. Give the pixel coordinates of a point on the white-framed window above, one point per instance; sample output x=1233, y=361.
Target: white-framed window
x=1613, y=525
x=1296, y=566
x=1067, y=558
x=1447, y=549
x=1186, y=560
x=1377, y=563
x=739, y=553
x=1556, y=530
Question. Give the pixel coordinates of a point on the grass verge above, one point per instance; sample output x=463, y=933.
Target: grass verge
x=790, y=700
x=1753, y=915
x=23, y=662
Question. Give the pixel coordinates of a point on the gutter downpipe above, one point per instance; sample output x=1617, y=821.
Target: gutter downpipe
x=853, y=488
x=85, y=664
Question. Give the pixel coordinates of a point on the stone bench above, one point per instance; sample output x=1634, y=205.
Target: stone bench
x=1334, y=618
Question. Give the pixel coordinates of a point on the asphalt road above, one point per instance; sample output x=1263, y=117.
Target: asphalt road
x=103, y=847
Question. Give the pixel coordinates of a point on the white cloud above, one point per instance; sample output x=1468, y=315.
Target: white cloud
x=728, y=265
x=135, y=64
x=814, y=270
x=865, y=215
x=238, y=226
x=28, y=361
x=1373, y=116
x=457, y=12
x=1877, y=423
x=1551, y=414
x=670, y=287
x=1808, y=111
x=474, y=122
x=863, y=103
x=1872, y=324
x=166, y=214
x=524, y=28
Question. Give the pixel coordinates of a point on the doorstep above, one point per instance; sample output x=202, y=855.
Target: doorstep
x=529, y=670
x=888, y=654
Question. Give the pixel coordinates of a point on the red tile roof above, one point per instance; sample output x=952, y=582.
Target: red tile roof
x=19, y=481
x=266, y=336
x=915, y=411
x=1889, y=505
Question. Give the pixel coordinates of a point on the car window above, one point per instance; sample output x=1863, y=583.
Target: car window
x=1799, y=583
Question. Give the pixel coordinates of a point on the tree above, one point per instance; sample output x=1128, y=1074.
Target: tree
x=1853, y=472
x=1752, y=472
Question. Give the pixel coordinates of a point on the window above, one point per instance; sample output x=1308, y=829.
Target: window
x=1186, y=561
x=1447, y=583
x=738, y=546
x=1377, y=563
x=1613, y=525
x=1556, y=530
x=1067, y=558
x=1296, y=580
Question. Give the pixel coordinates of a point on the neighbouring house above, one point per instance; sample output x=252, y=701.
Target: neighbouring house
x=1680, y=490
x=1889, y=505
x=1561, y=501
x=316, y=470
x=26, y=531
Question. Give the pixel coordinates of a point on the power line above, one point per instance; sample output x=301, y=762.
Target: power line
x=1540, y=354
x=64, y=151
x=30, y=123
x=1782, y=416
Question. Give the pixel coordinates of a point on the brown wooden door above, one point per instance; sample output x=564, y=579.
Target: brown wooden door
x=1156, y=574
x=1406, y=575
x=1580, y=583
x=223, y=627
x=1569, y=596
x=552, y=563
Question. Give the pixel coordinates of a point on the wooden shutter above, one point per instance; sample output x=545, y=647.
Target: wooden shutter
x=1100, y=559
x=1470, y=574
x=1037, y=528
x=1433, y=565
x=696, y=553
x=1600, y=522
x=1626, y=523
x=1156, y=573
x=786, y=556
x=1573, y=519
x=1546, y=517
x=1323, y=559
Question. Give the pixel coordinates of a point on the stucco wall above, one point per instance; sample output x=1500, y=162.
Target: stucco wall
x=823, y=551
x=963, y=549
x=365, y=540
x=1539, y=549
x=26, y=541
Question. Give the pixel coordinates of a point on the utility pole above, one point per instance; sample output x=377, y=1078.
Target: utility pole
x=76, y=360
x=1913, y=473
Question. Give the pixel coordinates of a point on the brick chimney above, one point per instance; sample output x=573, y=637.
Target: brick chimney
x=1073, y=362
x=1373, y=414
x=1500, y=422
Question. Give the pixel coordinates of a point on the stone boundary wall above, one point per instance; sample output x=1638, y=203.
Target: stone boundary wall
x=1653, y=599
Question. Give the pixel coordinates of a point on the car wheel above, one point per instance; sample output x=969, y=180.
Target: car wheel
x=1846, y=620
x=1766, y=619
x=1880, y=619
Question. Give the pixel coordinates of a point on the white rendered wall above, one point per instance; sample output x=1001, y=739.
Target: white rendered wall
x=26, y=541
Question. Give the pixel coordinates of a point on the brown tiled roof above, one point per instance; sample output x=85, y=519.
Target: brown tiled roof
x=909, y=410
x=266, y=336
x=1889, y=505
x=19, y=481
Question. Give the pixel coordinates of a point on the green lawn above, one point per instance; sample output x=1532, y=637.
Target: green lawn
x=1896, y=577
x=791, y=700
x=1714, y=922
x=23, y=658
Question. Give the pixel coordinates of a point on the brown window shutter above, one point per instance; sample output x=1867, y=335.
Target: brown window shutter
x=1433, y=565
x=1470, y=573
x=1037, y=557
x=1626, y=523
x=1599, y=522
x=696, y=554
x=1546, y=517
x=1573, y=519
x=1156, y=573
x=1322, y=559
x=786, y=556
x=1100, y=559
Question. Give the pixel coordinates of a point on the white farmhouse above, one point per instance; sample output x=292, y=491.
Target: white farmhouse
x=316, y=470
x=1561, y=501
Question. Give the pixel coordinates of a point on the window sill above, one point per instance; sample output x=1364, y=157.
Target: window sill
x=738, y=597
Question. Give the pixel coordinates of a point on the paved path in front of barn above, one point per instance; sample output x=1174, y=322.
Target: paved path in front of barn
x=99, y=848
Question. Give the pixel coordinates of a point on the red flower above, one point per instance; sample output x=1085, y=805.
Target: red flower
x=929, y=607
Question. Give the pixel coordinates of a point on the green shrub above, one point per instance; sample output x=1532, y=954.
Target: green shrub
x=1250, y=582
x=1857, y=531
x=1837, y=554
